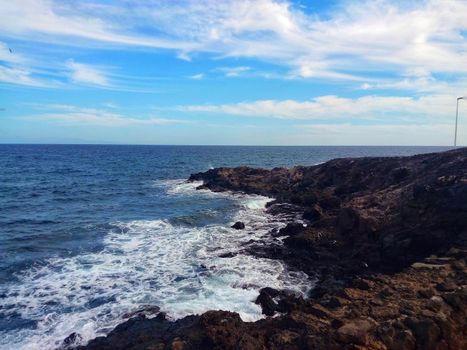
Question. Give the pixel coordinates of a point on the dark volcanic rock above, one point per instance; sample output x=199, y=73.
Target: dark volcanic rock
x=72, y=341
x=291, y=229
x=146, y=310
x=266, y=301
x=238, y=225
x=386, y=238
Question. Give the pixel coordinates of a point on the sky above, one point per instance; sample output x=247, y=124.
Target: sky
x=238, y=72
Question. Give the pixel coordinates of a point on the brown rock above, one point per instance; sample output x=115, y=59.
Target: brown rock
x=284, y=338
x=356, y=331
x=320, y=311
x=447, y=286
x=427, y=333
x=178, y=344
x=426, y=293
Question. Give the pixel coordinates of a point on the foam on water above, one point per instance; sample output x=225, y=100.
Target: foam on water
x=148, y=262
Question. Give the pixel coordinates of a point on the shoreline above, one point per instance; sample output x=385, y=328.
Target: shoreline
x=386, y=239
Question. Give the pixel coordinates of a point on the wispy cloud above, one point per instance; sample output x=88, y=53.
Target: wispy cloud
x=83, y=73
x=48, y=20
x=234, y=71
x=198, y=76
x=22, y=76
x=73, y=115
x=334, y=107
x=356, y=37
x=7, y=55
x=14, y=69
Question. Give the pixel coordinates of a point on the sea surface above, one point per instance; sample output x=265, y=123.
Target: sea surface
x=91, y=233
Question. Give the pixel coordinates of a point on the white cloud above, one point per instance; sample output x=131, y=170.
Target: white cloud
x=20, y=76
x=14, y=69
x=83, y=73
x=357, y=37
x=334, y=107
x=68, y=114
x=47, y=20
x=10, y=56
x=234, y=71
x=199, y=76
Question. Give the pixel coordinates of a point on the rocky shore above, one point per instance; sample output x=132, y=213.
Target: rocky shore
x=386, y=240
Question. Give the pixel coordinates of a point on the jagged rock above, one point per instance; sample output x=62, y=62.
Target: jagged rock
x=227, y=255
x=145, y=310
x=72, y=341
x=266, y=300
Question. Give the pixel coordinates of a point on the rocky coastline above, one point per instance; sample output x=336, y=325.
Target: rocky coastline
x=385, y=237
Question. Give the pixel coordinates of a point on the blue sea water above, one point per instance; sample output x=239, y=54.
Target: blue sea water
x=91, y=233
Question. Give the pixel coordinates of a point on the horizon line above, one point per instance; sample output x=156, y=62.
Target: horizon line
x=216, y=145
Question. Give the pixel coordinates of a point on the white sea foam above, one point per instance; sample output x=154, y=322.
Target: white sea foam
x=148, y=262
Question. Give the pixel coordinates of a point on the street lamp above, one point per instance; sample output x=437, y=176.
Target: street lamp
x=457, y=114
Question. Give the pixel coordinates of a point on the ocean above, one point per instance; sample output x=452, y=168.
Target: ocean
x=91, y=233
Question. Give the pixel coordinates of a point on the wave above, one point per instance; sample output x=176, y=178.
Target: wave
x=148, y=262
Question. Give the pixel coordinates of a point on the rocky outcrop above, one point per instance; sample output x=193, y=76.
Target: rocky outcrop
x=386, y=238
x=379, y=213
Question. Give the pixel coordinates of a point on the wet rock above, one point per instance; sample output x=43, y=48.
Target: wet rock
x=146, y=310
x=238, y=225
x=266, y=300
x=72, y=341
x=227, y=255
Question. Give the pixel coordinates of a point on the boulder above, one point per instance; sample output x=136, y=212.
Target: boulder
x=266, y=300
x=72, y=341
x=238, y=225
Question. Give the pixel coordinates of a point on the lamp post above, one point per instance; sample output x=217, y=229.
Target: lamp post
x=457, y=115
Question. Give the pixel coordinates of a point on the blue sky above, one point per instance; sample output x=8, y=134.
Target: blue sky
x=233, y=72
